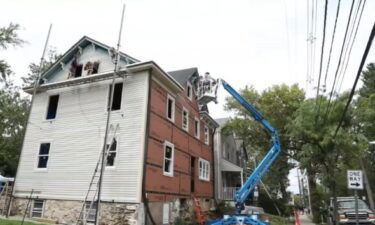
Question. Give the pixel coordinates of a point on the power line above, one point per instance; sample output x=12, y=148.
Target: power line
x=340, y=58
x=364, y=57
x=322, y=53
x=352, y=44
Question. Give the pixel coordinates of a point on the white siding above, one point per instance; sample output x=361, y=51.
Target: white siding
x=76, y=137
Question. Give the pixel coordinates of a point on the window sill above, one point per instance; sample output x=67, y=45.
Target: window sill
x=109, y=168
x=49, y=120
x=202, y=179
x=41, y=170
x=168, y=174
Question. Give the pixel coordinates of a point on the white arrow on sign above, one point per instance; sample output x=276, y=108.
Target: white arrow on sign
x=355, y=179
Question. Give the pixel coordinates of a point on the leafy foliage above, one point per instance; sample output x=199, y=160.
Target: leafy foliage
x=277, y=104
x=34, y=69
x=8, y=37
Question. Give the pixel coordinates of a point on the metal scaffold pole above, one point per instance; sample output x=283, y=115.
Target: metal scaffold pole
x=103, y=155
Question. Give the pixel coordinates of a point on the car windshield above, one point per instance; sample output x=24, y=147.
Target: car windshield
x=351, y=204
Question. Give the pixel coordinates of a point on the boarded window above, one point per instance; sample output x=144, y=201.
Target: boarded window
x=170, y=108
x=112, y=151
x=43, y=155
x=117, y=96
x=52, y=107
x=37, y=208
x=185, y=119
x=168, y=159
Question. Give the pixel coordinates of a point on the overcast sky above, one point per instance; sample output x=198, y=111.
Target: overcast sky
x=254, y=42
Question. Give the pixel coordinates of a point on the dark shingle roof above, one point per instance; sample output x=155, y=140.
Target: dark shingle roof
x=182, y=76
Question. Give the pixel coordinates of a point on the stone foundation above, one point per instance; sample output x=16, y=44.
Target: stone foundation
x=67, y=212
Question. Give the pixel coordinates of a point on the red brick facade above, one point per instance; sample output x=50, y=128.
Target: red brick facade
x=187, y=147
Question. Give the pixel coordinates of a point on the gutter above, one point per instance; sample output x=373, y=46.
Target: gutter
x=144, y=196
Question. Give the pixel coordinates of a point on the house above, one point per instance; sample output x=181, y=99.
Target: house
x=161, y=145
x=230, y=162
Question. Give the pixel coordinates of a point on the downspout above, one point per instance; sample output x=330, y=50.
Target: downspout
x=213, y=165
x=144, y=197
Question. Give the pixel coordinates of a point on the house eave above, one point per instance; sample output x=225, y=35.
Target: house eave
x=132, y=68
x=208, y=119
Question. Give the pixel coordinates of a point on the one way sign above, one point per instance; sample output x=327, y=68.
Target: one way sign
x=355, y=180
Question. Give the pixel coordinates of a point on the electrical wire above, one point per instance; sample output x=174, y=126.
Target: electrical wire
x=339, y=62
x=364, y=57
x=321, y=55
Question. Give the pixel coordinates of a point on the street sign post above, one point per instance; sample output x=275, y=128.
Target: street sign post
x=355, y=182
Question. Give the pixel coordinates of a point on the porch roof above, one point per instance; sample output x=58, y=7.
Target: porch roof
x=230, y=167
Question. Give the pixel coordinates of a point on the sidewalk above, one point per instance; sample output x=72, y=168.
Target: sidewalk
x=305, y=220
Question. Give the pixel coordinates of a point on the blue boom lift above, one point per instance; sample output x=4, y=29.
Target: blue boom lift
x=251, y=182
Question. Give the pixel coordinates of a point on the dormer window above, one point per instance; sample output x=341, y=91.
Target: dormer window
x=189, y=91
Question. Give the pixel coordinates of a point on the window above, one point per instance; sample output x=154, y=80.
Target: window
x=170, y=108
x=52, y=107
x=206, y=135
x=189, y=91
x=78, y=70
x=90, y=211
x=43, y=155
x=117, y=96
x=204, y=170
x=196, y=128
x=37, y=208
x=168, y=158
x=92, y=67
x=185, y=119
x=111, y=154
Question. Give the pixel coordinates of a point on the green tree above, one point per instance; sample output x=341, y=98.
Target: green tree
x=321, y=153
x=8, y=37
x=277, y=104
x=34, y=68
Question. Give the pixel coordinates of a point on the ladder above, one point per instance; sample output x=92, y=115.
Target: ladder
x=199, y=216
x=5, y=197
x=89, y=205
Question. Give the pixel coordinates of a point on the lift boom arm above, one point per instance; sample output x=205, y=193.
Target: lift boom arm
x=267, y=161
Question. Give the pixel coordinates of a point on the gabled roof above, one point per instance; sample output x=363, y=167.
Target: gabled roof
x=83, y=42
x=182, y=76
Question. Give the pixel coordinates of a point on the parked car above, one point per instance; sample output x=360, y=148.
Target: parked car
x=346, y=211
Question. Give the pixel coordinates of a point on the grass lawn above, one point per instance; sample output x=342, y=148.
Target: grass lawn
x=16, y=222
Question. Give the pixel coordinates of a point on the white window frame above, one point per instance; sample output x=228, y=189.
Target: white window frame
x=206, y=135
x=116, y=151
x=173, y=108
x=43, y=155
x=204, y=169
x=188, y=85
x=186, y=128
x=171, y=167
x=198, y=127
x=40, y=210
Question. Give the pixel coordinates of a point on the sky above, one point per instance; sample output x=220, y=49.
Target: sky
x=245, y=42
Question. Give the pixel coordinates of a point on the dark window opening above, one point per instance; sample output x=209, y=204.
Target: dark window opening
x=43, y=155
x=189, y=91
x=95, y=68
x=170, y=108
x=117, y=96
x=78, y=70
x=92, y=67
x=52, y=107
